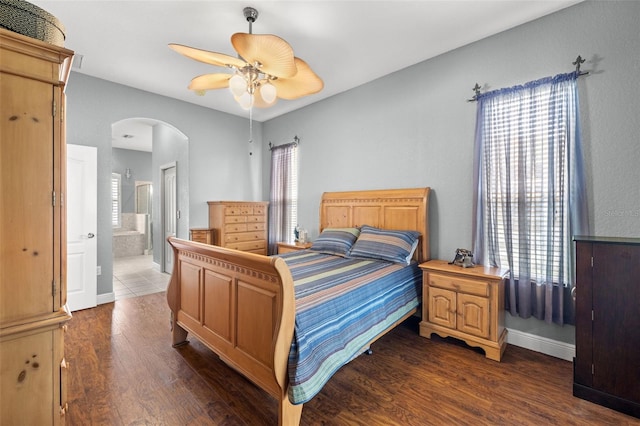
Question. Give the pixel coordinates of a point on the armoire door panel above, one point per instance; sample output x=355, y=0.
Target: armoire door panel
x=607, y=361
x=27, y=206
x=616, y=346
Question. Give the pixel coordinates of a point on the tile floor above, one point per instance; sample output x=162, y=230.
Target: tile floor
x=136, y=276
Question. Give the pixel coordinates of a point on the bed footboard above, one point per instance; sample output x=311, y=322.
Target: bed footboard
x=240, y=305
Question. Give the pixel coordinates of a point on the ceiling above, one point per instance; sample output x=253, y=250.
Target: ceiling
x=347, y=43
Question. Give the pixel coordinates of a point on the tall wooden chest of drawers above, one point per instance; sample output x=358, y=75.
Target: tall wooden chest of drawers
x=239, y=225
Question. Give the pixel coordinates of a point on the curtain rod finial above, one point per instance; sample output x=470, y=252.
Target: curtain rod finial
x=476, y=90
x=577, y=63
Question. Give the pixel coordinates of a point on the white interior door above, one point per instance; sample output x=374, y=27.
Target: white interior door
x=170, y=213
x=82, y=282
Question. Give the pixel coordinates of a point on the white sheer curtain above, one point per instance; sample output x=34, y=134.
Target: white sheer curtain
x=283, y=200
x=529, y=199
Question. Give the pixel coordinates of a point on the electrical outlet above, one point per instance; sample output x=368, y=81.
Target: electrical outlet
x=99, y=270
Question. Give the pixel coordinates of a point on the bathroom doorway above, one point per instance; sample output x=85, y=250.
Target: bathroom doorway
x=138, y=145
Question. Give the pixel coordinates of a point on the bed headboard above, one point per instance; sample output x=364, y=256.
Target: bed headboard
x=401, y=209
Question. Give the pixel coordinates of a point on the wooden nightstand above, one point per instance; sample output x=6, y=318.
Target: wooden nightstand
x=287, y=247
x=465, y=303
x=202, y=235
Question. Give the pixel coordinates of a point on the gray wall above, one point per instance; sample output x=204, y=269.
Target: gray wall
x=411, y=128
x=415, y=128
x=218, y=151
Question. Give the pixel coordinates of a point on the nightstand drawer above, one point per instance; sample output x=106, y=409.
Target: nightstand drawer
x=289, y=247
x=457, y=284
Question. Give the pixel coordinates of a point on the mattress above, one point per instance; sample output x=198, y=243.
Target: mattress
x=341, y=305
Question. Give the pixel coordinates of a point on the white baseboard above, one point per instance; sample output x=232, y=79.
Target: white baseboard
x=106, y=298
x=546, y=346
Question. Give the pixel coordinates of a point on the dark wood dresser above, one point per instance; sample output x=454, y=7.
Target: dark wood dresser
x=607, y=362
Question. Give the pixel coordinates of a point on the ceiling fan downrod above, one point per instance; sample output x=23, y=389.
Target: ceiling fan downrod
x=251, y=15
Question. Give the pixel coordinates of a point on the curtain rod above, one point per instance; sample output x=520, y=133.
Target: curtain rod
x=579, y=61
x=296, y=141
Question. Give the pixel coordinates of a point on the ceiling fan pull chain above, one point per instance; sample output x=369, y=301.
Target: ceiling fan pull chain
x=250, y=129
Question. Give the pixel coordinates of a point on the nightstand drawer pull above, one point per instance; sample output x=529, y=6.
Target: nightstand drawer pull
x=469, y=286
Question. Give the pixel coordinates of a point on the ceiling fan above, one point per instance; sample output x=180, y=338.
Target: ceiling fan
x=264, y=70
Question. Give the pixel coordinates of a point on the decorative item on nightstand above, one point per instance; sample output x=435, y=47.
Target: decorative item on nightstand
x=303, y=236
x=463, y=258
x=465, y=303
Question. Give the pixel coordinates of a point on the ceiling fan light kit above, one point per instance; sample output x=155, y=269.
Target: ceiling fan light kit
x=265, y=69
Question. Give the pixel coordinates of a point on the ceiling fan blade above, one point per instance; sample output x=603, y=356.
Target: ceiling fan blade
x=213, y=58
x=304, y=83
x=274, y=55
x=210, y=82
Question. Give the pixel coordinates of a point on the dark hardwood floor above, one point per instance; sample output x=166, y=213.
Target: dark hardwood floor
x=123, y=371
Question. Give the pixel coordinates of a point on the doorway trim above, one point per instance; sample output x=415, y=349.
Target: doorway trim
x=163, y=169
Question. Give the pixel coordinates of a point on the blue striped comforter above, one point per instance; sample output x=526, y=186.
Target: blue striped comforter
x=341, y=304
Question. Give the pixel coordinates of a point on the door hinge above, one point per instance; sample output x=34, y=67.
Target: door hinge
x=53, y=288
x=53, y=198
x=54, y=108
x=592, y=315
x=62, y=113
x=593, y=370
x=592, y=261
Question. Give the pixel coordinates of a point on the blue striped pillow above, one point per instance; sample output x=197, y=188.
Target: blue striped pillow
x=385, y=244
x=336, y=241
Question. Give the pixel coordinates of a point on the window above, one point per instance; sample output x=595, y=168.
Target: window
x=116, y=208
x=526, y=189
x=528, y=175
x=283, y=200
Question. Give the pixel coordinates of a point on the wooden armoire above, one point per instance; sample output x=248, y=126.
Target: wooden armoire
x=607, y=363
x=33, y=314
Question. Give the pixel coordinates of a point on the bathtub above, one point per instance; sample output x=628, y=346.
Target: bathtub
x=128, y=243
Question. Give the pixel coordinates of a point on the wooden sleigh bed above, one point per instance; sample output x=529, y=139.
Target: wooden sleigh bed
x=243, y=306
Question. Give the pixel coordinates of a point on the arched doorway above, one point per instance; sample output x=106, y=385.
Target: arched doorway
x=140, y=148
